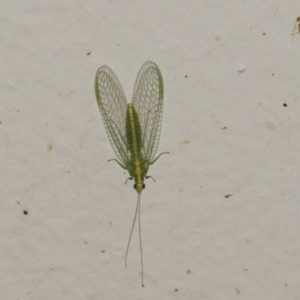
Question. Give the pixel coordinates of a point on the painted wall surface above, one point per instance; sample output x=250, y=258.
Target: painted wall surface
x=221, y=221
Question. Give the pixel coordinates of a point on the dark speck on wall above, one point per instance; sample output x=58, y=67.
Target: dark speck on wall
x=228, y=195
x=296, y=26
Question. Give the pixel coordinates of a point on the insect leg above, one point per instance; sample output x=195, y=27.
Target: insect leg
x=147, y=176
x=129, y=178
x=155, y=159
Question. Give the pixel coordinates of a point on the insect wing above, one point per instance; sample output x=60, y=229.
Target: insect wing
x=148, y=102
x=112, y=104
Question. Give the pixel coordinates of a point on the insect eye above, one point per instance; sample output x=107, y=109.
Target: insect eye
x=144, y=185
x=134, y=186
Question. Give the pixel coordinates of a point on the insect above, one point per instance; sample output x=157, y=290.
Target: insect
x=133, y=129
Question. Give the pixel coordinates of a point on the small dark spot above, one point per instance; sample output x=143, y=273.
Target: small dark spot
x=186, y=76
x=18, y=202
x=228, y=195
x=143, y=285
x=25, y=212
x=264, y=33
x=284, y=104
x=224, y=128
x=296, y=26
x=0, y=122
x=176, y=290
x=89, y=53
x=245, y=270
x=286, y=284
x=49, y=147
x=184, y=142
x=273, y=74
x=102, y=251
x=188, y=271
x=237, y=291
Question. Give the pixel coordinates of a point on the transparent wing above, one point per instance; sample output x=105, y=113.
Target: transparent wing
x=148, y=101
x=112, y=104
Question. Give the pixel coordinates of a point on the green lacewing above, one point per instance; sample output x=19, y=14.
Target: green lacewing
x=133, y=129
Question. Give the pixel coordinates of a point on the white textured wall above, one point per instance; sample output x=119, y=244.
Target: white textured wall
x=228, y=69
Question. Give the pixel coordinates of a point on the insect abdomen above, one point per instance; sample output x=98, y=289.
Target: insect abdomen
x=133, y=131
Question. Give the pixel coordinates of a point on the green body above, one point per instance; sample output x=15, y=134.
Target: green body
x=136, y=166
x=133, y=129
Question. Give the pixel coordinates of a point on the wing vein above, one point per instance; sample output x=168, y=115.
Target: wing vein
x=148, y=102
x=112, y=105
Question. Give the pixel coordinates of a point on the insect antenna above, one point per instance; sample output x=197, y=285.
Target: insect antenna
x=137, y=212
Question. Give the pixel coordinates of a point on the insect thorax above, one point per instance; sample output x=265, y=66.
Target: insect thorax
x=137, y=167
